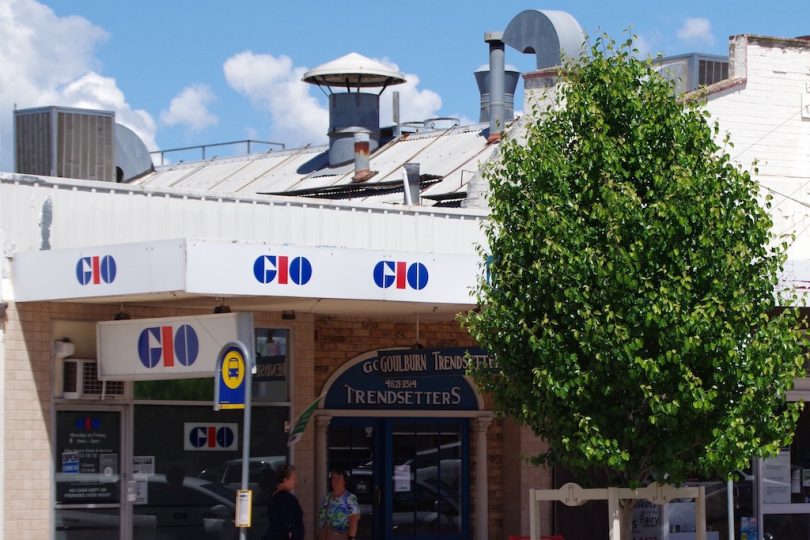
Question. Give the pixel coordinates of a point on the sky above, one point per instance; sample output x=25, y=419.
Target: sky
x=190, y=72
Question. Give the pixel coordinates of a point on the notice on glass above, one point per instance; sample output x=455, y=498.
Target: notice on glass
x=144, y=465
x=88, y=457
x=142, y=468
x=776, y=472
x=402, y=478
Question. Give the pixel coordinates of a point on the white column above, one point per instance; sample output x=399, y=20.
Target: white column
x=321, y=427
x=481, y=485
x=3, y=416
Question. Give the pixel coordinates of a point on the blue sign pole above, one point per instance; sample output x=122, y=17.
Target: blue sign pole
x=232, y=390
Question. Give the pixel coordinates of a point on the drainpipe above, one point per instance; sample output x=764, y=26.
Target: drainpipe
x=411, y=187
x=362, y=171
x=497, y=74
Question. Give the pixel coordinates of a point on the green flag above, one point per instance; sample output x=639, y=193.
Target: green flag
x=302, y=421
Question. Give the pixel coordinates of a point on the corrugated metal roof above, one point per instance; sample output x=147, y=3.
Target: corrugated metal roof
x=454, y=155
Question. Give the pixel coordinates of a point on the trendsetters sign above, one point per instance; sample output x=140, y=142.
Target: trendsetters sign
x=403, y=379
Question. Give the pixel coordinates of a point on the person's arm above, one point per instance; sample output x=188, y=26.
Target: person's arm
x=354, y=517
x=298, y=523
x=322, y=516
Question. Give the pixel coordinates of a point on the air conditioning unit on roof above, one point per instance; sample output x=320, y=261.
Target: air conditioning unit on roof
x=80, y=381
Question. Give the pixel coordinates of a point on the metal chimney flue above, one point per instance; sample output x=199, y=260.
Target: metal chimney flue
x=497, y=84
x=412, y=185
x=511, y=80
x=362, y=170
x=351, y=109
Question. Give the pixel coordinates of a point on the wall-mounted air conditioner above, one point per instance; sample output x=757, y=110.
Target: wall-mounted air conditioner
x=80, y=381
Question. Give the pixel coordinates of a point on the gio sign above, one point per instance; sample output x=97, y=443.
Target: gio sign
x=167, y=344
x=400, y=275
x=282, y=270
x=210, y=436
x=95, y=270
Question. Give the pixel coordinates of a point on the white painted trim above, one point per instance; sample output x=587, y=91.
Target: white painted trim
x=789, y=508
x=69, y=184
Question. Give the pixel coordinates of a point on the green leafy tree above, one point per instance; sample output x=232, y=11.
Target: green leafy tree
x=633, y=300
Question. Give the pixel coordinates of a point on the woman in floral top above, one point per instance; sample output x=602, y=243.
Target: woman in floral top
x=339, y=512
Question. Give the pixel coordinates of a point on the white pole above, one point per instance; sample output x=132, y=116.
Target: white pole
x=730, y=507
x=481, y=487
x=534, y=518
x=614, y=515
x=249, y=361
x=700, y=513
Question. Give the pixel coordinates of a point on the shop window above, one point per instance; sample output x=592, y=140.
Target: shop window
x=187, y=467
x=176, y=390
x=272, y=365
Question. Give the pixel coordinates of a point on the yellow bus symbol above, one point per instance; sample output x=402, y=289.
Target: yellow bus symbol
x=233, y=369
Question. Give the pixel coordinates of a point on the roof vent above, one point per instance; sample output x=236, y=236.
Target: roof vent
x=351, y=112
x=512, y=76
x=546, y=33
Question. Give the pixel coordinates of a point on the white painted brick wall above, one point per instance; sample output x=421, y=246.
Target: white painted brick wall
x=764, y=120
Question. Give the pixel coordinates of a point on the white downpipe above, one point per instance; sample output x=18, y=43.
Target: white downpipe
x=730, y=507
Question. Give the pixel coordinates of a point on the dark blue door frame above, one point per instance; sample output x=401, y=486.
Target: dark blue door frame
x=384, y=466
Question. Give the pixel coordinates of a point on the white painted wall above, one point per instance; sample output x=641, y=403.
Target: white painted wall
x=768, y=119
x=95, y=213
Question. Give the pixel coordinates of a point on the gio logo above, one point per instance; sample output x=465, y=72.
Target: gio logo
x=87, y=423
x=282, y=270
x=398, y=273
x=164, y=342
x=95, y=270
x=211, y=437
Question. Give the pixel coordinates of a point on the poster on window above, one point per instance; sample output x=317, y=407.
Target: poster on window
x=646, y=521
x=776, y=473
x=402, y=478
x=87, y=457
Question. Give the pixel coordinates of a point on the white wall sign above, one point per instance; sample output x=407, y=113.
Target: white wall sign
x=114, y=270
x=210, y=437
x=316, y=272
x=167, y=348
x=233, y=268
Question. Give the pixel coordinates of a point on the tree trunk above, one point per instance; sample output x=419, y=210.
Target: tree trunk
x=627, y=507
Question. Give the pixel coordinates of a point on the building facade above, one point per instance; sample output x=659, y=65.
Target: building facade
x=110, y=293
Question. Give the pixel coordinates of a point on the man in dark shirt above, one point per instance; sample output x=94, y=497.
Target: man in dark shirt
x=284, y=512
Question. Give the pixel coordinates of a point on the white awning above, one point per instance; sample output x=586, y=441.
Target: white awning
x=182, y=268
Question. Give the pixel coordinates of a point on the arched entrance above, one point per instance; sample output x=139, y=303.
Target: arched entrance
x=399, y=421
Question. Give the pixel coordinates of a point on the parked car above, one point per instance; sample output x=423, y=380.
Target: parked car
x=189, y=510
x=230, y=473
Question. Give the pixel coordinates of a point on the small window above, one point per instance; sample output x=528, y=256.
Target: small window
x=272, y=365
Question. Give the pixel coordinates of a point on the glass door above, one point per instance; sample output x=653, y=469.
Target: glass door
x=427, y=479
x=87, y=469
x=410, y=476
x=353, y=445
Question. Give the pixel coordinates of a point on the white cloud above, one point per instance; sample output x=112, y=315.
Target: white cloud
x=414, y=104
x=190, y=108
x=273, y=85
x=50, y=60
x=94, y=91
x=696, y=29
